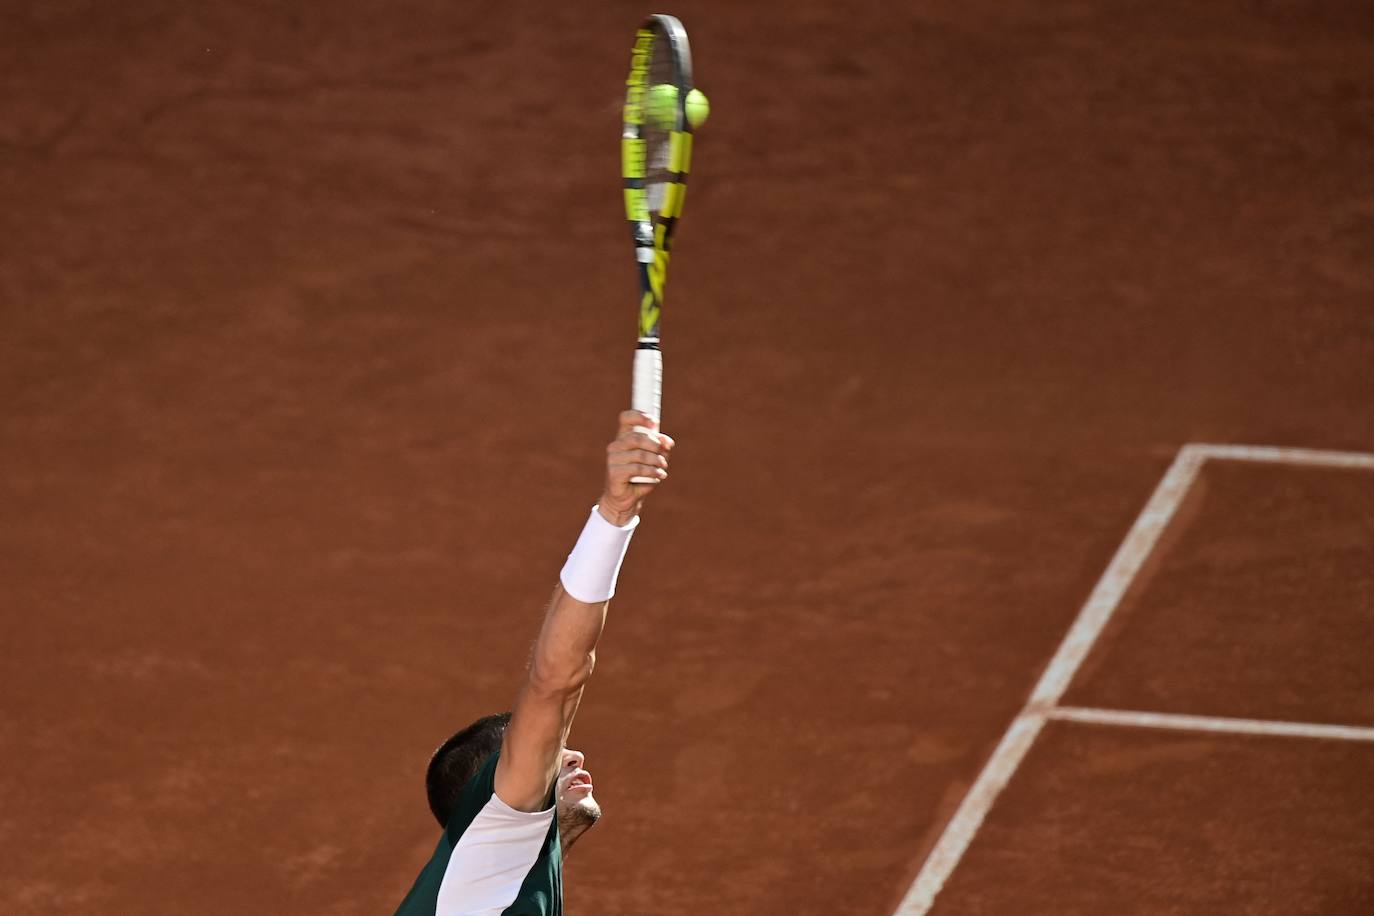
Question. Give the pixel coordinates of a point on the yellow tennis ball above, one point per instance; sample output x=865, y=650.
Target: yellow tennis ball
x=662, y=106
x=698, y=108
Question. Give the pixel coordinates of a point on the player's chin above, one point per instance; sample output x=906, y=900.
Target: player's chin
x=581, y=813
x=587, y=809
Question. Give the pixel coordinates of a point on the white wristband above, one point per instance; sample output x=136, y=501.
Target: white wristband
x=592, y=567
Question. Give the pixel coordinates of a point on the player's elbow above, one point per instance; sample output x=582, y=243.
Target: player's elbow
x=551, y=677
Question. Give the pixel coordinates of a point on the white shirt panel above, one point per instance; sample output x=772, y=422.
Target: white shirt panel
x=491, y=860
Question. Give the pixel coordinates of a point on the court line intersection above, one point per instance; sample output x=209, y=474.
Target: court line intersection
x=1043, y=704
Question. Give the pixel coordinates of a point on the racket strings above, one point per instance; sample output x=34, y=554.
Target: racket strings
x=662, y=71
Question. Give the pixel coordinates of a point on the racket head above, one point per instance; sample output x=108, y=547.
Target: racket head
x=656, y=153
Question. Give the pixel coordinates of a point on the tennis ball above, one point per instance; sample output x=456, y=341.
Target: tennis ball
x=698, y=108
x=662, y=105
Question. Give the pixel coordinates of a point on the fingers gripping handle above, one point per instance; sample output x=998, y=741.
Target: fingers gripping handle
x=646, y=395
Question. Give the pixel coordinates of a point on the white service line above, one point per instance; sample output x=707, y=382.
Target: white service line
x=1093, y=616
x=1219, y=724
x=1275, y=455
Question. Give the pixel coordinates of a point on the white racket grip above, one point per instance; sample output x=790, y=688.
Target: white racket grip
x=646, y=395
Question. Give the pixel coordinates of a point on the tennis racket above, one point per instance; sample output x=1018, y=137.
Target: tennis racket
x=655, y=155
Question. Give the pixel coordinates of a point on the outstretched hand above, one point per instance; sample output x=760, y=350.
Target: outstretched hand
x=633, y=454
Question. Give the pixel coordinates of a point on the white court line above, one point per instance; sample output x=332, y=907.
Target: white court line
x=1110, y=589
x=1273, y=455
x=1218, y=724
x=1141, y=539
x=1087, y=627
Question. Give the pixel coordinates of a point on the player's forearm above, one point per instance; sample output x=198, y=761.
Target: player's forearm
x=566, y=648
x=565, y=652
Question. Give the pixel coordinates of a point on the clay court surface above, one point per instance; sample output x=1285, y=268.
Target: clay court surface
x=313, y=326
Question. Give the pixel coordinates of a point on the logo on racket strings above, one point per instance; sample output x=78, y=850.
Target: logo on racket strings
x=639, y=77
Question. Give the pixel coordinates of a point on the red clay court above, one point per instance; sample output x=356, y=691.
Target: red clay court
x=1019, y=552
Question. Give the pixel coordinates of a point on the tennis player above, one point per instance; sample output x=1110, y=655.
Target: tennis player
x=509, y=794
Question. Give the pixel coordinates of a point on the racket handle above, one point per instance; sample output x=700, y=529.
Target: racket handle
x=646, y=396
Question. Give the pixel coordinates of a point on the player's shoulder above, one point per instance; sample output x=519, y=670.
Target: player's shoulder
x=477, y=792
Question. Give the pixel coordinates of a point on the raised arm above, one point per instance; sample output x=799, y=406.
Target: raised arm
x=565, y=650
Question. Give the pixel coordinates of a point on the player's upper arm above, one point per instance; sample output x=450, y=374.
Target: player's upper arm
x=532, y=749
x=533, y=745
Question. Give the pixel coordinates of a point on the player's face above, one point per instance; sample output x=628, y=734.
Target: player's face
x=575, y=802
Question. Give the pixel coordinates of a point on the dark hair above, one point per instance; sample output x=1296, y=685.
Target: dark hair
x=458, y=759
